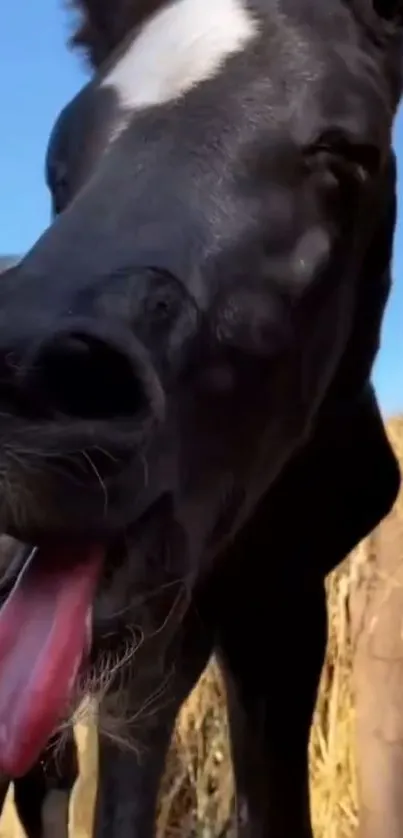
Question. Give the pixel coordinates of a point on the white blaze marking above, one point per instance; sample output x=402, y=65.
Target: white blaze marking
x=182, y=45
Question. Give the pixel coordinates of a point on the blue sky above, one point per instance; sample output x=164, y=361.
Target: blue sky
x=38, y=75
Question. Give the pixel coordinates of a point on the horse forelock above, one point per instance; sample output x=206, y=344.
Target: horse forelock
x=101, y=25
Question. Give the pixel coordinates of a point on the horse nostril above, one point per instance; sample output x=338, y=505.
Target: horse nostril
x=86, y=376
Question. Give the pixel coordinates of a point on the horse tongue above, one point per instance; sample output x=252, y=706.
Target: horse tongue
x=44, y=635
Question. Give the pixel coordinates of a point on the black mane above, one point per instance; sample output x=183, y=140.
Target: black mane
x=103, y=24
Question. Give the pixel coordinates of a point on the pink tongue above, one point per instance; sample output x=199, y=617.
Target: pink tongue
x=44, y=635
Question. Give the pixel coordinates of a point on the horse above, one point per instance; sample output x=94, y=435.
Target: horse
x=190, y=435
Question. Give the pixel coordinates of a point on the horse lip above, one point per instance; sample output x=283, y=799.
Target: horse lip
x=26, y=546
x=81, y=529
x=25, y=561
x=11, y=573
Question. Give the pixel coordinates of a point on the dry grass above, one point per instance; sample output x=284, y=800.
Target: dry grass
x=197, y=793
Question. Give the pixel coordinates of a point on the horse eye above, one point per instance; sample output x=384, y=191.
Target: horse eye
x=362, y=160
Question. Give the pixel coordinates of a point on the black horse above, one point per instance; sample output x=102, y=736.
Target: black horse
x=190, y=438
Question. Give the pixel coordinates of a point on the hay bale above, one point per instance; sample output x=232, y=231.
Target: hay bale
x=196, y=798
